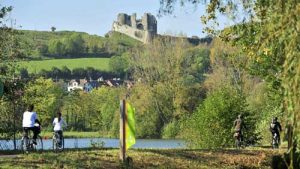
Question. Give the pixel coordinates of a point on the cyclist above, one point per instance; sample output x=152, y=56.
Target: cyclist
x=275, y=128
x=29, y=122
x=238, y=125
x=58, y=124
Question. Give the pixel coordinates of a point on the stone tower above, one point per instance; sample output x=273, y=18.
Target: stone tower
x=143, y=29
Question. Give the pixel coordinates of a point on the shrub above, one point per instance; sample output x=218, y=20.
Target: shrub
x=211, y=125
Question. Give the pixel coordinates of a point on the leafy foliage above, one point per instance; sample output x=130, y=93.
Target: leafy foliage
x=45, y=96
x=168, y=73
x=95, y=111
x=269, y=36
x=211, y=125
x=119, y=64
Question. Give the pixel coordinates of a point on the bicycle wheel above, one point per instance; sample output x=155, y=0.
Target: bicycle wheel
x=53, y=143
x=39, y=144
x=56, y=142
x=237, y=143
x=62, y=144
x=275, y=142
x=24, y=144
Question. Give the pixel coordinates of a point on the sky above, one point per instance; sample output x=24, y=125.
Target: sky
x=97, y=16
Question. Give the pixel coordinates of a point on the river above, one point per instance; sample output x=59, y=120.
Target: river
x=104, y=142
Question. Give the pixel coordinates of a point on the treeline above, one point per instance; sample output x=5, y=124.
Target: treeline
x=66, y=73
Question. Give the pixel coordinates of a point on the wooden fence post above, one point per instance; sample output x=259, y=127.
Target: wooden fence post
x=122, y=130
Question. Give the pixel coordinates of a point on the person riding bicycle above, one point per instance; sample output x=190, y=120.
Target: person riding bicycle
x=275, y=128
x=238, y=126
x=29, y=122
x=58, y=124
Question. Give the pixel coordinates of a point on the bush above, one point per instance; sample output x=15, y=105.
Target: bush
x=170, y=130
x=211, y=125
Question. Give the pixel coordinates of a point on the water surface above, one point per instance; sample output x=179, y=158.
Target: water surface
x=105, y=142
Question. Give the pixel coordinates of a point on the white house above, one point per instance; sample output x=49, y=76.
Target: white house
x=74, y=85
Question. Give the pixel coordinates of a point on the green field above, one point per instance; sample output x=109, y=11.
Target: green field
x=37, y=66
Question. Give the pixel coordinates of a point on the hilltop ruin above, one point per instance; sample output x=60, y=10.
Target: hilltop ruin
x=143, y=29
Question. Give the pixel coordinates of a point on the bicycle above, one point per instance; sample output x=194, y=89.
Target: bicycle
x=58, y=144
x=275, y=141
x=238, y=139
x=28, y=145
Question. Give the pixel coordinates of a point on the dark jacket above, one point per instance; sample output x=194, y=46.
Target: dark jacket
x=275, y=127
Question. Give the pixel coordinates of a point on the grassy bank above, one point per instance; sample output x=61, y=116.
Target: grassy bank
x=72, y=134
x=75, y=134
x=108, y=158
x=37, y=66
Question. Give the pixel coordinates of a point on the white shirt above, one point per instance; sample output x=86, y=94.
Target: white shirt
x=58, y=124
x=29, y=119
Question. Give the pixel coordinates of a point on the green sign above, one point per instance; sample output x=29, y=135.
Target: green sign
x=1, y=88
x=130, y=126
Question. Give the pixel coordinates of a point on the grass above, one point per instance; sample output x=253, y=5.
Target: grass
x=74, y=134
x=37, y=66
x=145, y=158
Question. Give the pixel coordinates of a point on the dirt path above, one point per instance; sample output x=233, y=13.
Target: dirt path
x=9, y=156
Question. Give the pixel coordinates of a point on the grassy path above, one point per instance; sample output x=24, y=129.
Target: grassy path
x=146, y=158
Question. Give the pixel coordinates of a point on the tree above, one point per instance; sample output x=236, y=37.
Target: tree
x=66, y=72
x=46, y=96
x=56, y=72
x=269, y=37
x=9, y=45
x=91, y=73
x=119, y=65
x=43, y=49
x=56, y=47
x=79, y=73
x=211, y=125
x=74, y=44
x=10, y=52
x=170, y=70
x=53, y=29
x=24, y=73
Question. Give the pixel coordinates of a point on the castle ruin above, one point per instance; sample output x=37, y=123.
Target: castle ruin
x=143, y=29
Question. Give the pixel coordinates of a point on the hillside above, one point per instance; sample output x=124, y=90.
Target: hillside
x=46, y=50
x=70, y=44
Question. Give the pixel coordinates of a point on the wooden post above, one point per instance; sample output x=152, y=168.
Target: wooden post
x=122, y=130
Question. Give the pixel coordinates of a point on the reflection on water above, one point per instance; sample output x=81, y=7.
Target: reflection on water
x=106, y=142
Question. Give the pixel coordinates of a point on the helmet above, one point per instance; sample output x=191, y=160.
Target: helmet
x=274, y=119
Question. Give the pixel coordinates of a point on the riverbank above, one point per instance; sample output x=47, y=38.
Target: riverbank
x=70, y=134
x=76, y=134
x=146, y=158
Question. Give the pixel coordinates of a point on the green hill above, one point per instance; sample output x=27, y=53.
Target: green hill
x=70, y=44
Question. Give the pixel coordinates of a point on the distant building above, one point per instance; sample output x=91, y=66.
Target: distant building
x=74, y=85
x=90, y=85
x=143, y=29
